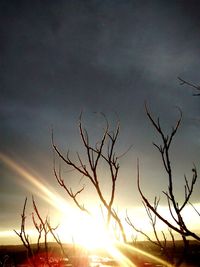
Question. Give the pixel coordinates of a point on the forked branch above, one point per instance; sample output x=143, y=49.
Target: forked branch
x=43, y=228
x=184, y=82
x=103, y=152
x=23, y=235
x=174, y=206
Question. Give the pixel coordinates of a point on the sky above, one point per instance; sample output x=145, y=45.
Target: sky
x=61, y=58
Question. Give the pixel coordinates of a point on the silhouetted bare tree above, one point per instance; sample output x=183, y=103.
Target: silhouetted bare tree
x=35, y=254
x=176, y=208
x=103, y=151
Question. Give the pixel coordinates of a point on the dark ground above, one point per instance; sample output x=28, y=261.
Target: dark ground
x=16, y=255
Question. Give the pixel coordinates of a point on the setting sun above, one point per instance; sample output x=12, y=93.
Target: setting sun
x=85, y=230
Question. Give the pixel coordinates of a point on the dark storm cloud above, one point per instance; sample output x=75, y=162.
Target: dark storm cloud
x=86, y=54
x=94, y=55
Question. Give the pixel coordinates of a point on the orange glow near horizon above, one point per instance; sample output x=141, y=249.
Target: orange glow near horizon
x=83, y=229
x=60, y=204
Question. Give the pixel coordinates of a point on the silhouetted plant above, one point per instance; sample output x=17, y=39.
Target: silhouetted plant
x=24, y=236
x=35, y=253
x=158, y=239
x=176, y=208
x=4, y=261
x=103, y=150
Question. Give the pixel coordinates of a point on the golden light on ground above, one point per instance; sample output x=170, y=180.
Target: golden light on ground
x=120, y=258
x=91, y=234
x=131, y=250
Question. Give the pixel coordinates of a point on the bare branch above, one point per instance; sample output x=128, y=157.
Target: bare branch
x=175, y=208
x=130, y=223
x=22, y=234
x=196, y=87
x=195, y=209
x=189, y=189
x=183, y=230
x=94, y=156
x=43, y=228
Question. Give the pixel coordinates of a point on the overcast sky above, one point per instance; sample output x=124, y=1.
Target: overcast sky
x=58, y=58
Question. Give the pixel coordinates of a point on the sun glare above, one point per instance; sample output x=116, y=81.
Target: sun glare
x=85, y=230
x=78, y=227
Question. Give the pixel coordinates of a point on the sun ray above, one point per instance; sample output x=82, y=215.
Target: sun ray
x=51, y=197
x=119, y=257
x=133, y=250
x=88, y=230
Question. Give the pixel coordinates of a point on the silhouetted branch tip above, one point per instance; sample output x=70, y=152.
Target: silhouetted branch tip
x=184, y=82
